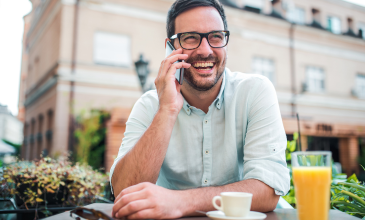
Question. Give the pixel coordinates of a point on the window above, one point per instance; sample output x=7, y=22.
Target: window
x=31, y=140
x=350, y=27
x=25, y=147
x=360, y=86
x=39, y=136
x=112, y=49
x=49, y=132
x=361, y=30
x=254, y=5
x=315, y=79
x=264, y=67
x=316, y=18
x=334, y=24
x=296, y=15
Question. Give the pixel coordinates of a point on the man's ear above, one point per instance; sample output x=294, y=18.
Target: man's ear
x=167, y=39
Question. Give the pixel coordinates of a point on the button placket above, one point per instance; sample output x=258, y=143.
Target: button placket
x=207, y=147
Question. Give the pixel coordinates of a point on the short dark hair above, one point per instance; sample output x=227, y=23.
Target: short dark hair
x=180, y=6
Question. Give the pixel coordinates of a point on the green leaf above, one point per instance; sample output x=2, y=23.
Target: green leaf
x=352, y=177
x=362, y=167
x=358, y=208
x=292, y=146
x=295, y=136
x=355, y=197
x=290, y=199
x=288, y=157
x=352, y=185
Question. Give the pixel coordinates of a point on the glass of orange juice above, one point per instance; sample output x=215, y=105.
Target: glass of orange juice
x=312, y=181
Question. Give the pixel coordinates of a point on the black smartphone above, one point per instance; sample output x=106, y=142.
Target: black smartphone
x=179, y=75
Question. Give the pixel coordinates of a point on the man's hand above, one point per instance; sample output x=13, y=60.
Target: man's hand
x=168, y=89
x=146, y=200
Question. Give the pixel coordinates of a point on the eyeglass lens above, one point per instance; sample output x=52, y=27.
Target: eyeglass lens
x=192, y=40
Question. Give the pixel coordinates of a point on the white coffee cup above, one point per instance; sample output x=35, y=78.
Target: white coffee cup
x=234, y=204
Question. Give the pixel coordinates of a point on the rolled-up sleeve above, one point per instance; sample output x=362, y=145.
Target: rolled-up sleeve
x=139, y=120
x=265, y=140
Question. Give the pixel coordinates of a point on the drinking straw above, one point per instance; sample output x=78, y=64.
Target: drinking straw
x=300, y=140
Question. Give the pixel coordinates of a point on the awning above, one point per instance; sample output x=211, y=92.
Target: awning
x=6, y=148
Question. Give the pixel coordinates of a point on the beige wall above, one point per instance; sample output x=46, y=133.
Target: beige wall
x=41, y=108
x=43, y=44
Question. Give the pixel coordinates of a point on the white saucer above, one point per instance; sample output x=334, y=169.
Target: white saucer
x=219, y=215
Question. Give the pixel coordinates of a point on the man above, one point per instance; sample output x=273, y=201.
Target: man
x=219, y=131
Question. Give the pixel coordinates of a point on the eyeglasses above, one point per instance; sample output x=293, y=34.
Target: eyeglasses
x=192, y=40
x=88, y=214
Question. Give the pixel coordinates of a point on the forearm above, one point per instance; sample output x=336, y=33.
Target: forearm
x=264, y=198
x=143, y=162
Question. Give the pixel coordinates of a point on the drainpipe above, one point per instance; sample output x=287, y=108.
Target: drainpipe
x=292, y=70
x=71, y=138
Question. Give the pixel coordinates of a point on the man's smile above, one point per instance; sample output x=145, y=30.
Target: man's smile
x=203, y=67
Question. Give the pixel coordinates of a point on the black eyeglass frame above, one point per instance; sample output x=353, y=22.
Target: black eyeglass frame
x=202, y=35
x=95, y=213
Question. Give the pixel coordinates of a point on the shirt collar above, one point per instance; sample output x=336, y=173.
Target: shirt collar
x=217, y=102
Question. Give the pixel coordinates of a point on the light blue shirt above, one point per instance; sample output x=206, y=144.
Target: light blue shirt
x=241, y=137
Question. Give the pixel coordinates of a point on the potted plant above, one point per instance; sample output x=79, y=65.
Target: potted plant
x=49, y=183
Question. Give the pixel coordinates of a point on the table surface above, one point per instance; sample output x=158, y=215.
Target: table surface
x=278, y=214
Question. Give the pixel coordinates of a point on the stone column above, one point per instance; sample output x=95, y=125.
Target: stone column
x=349, y=153
x=114, y=135
x=304, y=141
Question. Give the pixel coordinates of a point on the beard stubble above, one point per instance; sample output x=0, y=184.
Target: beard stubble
x=206, y=85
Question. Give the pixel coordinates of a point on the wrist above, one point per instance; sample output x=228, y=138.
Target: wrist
x=186, y=206
x=169, y=111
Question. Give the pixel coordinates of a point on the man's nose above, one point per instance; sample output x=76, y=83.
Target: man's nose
x=204, y=49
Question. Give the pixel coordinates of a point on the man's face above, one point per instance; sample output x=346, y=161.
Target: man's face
x=202, y=20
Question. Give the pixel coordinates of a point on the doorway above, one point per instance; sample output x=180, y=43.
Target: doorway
x=325, y=144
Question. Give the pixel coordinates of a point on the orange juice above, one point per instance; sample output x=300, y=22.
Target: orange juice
x=312, y=191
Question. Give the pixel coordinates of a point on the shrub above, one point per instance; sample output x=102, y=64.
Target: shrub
x=90, y=137
x=49, y=181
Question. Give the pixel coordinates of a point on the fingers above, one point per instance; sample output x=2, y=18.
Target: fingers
x=178, y=86
x=178, y=51
x=130, y=189
x=163, y=79
x=144, y=214
x=128, y=199
x=176, y=66
x=168, y=62
x=172, y=58
x=134, y=207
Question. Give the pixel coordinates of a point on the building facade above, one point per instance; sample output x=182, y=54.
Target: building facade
x=313, y=51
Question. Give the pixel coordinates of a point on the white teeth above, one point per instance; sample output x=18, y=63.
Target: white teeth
x=210, y=64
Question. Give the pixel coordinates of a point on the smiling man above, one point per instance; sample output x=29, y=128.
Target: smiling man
x=219, y=131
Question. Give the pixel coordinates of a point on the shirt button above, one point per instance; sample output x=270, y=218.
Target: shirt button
x=206, y=152
x=206, y=121
x=205, y=181
x=188, y=110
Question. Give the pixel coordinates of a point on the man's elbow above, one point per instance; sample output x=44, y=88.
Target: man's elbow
x=115, y=187
x=272, y=204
